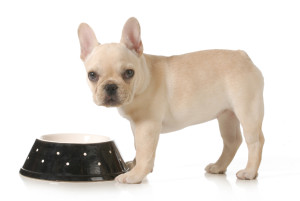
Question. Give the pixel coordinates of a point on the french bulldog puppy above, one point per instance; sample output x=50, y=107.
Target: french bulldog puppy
x=160, y=94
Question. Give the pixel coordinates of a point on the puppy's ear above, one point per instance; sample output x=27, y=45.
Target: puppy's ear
x=131, y=36
x=87, y=39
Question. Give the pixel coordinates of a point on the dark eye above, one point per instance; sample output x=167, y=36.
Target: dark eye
x=93, y=77
x=128, y=74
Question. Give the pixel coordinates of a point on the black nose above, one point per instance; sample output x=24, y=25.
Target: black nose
x=111, y=89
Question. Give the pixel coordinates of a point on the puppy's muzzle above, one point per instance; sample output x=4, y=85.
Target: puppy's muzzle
x=111, y=97
x=111, y=89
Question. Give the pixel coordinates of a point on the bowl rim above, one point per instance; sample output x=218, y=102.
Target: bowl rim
x=74, y=138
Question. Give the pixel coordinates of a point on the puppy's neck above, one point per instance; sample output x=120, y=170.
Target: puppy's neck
x=152, y=72
x=152, y=81
x=144, y=76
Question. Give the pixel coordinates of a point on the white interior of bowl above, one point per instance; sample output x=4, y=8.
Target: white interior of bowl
x=74, y=138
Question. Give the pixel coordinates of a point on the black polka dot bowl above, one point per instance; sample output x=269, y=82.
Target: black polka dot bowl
x=74, y=157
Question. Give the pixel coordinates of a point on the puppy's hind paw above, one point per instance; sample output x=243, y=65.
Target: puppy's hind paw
x=246, y=174
x=215, y=169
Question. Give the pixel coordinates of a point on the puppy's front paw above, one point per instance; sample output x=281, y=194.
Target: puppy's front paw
x=246, y=174
x=130, y=164
x=213, y=168
x=131, y=177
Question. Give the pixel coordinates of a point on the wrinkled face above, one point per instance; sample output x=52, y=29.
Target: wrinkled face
x=112, y=72
x=115, y=71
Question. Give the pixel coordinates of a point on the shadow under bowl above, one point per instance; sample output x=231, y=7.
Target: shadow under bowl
x=74, y=157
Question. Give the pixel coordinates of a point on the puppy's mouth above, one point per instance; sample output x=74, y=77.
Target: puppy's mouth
x=111, y=101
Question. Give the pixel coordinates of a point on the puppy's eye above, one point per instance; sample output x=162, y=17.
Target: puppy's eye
x=93, y=77
x=128, y=74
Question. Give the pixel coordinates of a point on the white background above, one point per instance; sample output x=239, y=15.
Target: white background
x=43, y=90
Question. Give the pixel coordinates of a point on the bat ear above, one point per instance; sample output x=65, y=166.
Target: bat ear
x=131, y=36
x=87, y=39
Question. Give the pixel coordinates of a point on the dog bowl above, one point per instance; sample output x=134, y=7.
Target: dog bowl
x=74, y=157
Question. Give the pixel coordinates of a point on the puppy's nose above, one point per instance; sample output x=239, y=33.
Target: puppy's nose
x=111, y=89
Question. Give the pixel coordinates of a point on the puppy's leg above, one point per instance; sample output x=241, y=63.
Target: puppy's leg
x=146, y=136
x=232, y=139
x=250, y=115
x=131, y=164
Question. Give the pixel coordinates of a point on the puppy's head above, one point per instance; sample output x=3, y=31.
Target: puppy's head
x=115, y=71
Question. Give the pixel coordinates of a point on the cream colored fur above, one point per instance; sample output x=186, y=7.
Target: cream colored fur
x=170, y=93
